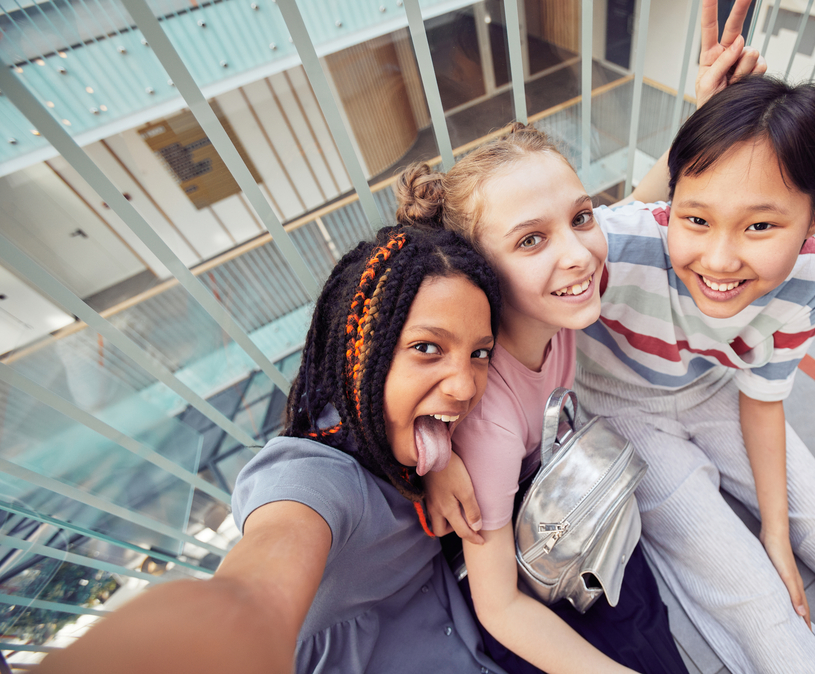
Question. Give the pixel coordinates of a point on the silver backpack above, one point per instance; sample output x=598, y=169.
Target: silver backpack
x=579, y=523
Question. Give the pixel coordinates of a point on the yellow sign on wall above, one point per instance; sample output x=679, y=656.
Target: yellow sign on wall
x=191, y=159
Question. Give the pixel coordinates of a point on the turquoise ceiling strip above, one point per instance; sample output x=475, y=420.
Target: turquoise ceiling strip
x=642, y=38
x=112, y=83
x=683, y=76
x=69, y=526
x=186, y=85
x=801, y=27
x=41, y=72
x=126, y=514
x=73, y=558
x=516, y=60
x=319, y=84
x=429, y=82
x=141, y=450
x=28, y=270
x=97, y=179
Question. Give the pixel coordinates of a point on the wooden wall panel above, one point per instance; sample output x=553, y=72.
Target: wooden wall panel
x=559, y=22
x=369, y=79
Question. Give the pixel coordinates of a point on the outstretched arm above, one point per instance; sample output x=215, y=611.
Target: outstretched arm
x=522, y=624
x=720, y=63
x=764, y=432
x=245, y=619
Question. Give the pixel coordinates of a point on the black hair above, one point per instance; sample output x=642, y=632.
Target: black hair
x=752, y=109
x=355, y=327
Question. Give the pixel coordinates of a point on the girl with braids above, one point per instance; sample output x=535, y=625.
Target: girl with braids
x=520, y=203
x=336, y=571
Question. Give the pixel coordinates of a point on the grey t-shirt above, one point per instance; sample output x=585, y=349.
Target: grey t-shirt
x=387, y=601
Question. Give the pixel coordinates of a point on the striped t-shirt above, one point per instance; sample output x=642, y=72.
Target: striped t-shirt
x=651, y=333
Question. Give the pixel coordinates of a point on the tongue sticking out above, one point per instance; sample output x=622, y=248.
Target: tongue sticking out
x=433, y=443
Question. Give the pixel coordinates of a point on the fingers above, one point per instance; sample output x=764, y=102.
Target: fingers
x=735, y=22
x=439, y=523
x=805, y=614
x=462, y=528
x=710, y=24
x=471, y=511
x=721, y=66
x=795, y=586
x=750, y=62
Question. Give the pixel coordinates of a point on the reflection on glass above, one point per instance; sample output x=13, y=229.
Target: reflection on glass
x=454, y=47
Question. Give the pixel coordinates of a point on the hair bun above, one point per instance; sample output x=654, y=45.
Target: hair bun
x=420, y=193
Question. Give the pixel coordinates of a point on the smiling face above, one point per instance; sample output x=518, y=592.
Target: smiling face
x=735, y=231
x=439, y=370
x=539, y=233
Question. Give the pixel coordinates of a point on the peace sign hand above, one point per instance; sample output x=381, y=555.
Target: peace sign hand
x=721, y=63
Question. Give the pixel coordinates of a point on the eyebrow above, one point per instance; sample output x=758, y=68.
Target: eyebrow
x=754, y=208
x=530, y=223
x=441, y=332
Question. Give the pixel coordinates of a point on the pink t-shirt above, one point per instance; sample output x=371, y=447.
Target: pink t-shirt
x=499, y=441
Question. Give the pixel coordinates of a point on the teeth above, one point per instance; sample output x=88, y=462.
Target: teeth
x=721, y=287
x=576, y=289
x=445, y=418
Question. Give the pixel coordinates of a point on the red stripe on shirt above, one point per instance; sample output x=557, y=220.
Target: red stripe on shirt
x=660, y=348
x=807, y=365
x=740, y=347
x=785, y=340
x=662, y=215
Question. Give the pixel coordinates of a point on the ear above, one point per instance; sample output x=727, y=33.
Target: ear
x=811, y=230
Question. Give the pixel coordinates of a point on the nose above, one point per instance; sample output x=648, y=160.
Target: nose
x=719, y=254
x=460, y=380
x=572, y=252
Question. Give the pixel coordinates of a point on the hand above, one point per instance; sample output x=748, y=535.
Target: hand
x=451, y=504
x=721, y=63
x=780, y=553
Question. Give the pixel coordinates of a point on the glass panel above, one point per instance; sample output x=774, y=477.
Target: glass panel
x=454, y=46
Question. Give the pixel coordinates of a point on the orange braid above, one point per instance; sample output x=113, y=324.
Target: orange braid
x=357, y=327
x=422, y=519
x=325, y=431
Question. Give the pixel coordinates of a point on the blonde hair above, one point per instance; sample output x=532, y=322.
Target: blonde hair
x=455, y=199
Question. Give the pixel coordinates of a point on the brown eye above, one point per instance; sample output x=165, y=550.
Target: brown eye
x=531, y=240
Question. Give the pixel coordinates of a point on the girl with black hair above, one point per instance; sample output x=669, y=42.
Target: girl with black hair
x=336, y=571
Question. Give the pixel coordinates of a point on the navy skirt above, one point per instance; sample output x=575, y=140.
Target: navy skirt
x=634, y=633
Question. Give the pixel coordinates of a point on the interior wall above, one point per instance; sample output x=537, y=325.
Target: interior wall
x=559, y=23
x=372, y=89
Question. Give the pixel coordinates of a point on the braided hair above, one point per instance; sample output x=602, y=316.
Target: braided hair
x=355, y=327
x=456, y=197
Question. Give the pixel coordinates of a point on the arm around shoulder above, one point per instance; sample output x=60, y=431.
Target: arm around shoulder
x=245, y=619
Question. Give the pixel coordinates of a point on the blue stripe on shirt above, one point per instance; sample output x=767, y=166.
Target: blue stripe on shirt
x=776, y=371
x=640, y=250
x=696, y=367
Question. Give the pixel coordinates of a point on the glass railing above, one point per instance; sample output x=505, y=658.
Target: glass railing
x=123, y=433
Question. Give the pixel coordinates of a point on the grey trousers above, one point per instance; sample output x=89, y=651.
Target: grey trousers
x=719, y=571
